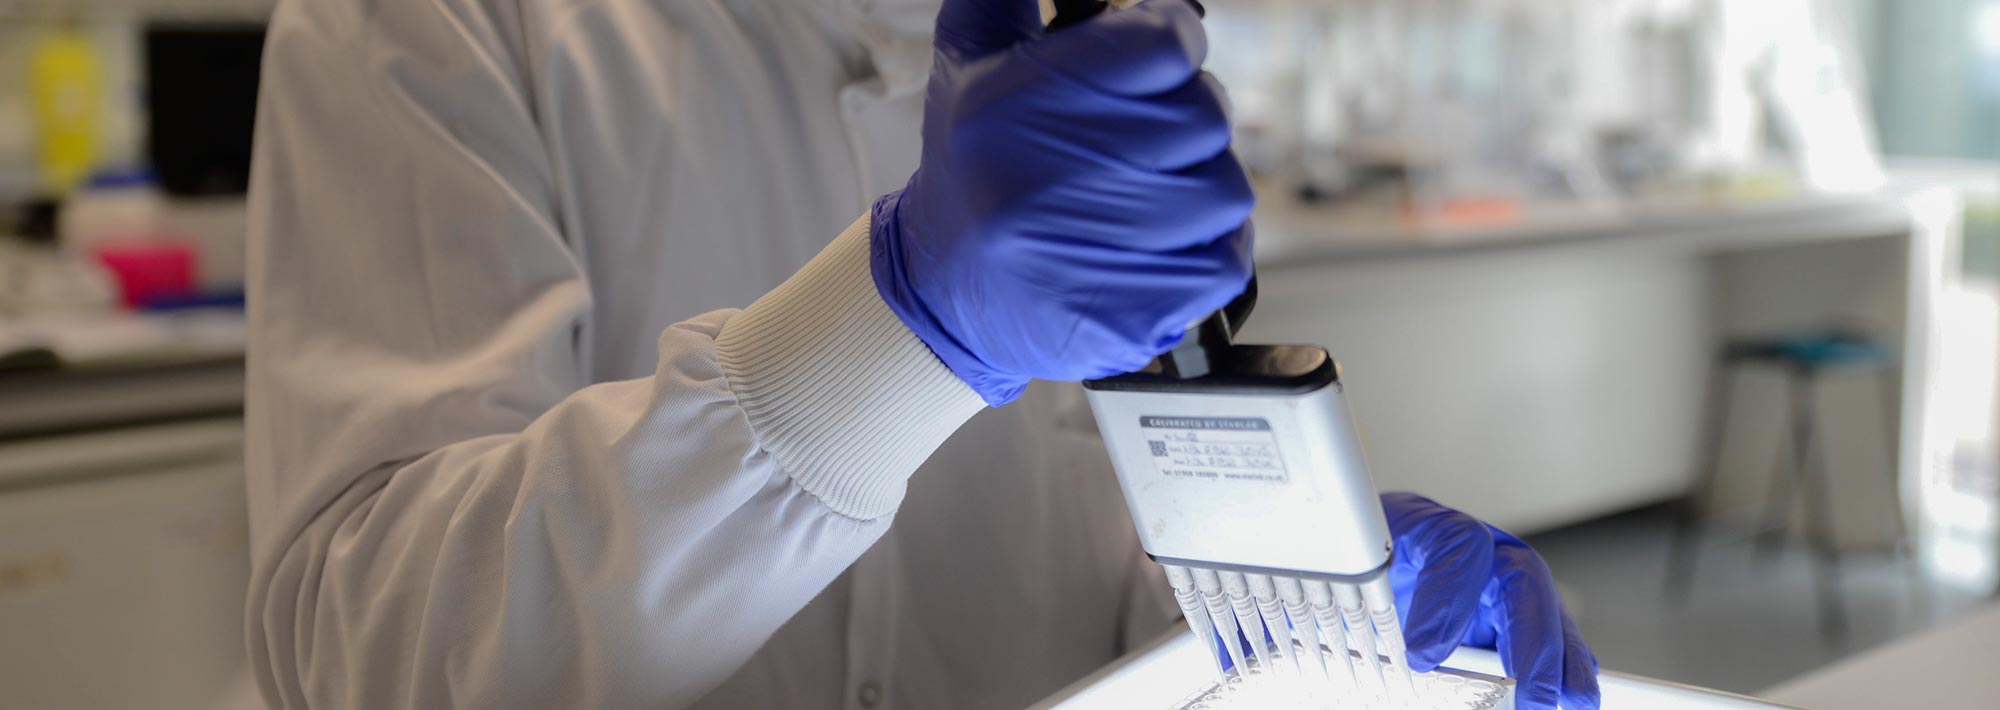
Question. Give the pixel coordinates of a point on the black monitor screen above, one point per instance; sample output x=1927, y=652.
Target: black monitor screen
x=201, y=96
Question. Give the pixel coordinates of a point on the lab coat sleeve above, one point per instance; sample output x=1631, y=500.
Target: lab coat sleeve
x=443, y=514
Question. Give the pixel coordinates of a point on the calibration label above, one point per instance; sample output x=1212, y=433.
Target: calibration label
x=1219, y=448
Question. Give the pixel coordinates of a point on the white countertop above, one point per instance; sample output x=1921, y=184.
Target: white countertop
x=1290, y=233
x=1955, y=667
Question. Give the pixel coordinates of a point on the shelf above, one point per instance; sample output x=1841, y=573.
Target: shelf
x=1293, y=235
x=43, y=402
x=188, y=10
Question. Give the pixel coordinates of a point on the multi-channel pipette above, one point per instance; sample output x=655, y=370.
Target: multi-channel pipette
x=1245, y=478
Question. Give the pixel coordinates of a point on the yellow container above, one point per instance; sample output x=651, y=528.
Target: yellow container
x=67, y=86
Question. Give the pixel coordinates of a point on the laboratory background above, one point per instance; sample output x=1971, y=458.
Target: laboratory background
x=1700, y=297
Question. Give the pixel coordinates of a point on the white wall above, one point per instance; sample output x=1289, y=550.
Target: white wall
x=1539, y=386
x=1532, y=387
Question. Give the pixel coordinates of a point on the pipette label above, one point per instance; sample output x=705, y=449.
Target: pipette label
x=1214, y=448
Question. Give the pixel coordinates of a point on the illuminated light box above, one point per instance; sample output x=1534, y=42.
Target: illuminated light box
x=1289, y=689
x=1175, y=673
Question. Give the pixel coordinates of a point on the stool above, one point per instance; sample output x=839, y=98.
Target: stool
x=1804, y=359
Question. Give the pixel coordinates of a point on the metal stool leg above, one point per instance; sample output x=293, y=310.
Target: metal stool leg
x=1903, y=546
x=1775, y=524
x=1686, y=541
x=1809, y=465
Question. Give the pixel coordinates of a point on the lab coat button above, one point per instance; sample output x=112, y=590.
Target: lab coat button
x=870, y=694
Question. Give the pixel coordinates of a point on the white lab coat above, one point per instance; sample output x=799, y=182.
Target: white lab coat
x=510, y=447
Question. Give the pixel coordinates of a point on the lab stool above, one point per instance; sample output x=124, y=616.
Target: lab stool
x=1801, y=471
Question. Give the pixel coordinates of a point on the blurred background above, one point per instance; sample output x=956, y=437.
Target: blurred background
x=1701, y=296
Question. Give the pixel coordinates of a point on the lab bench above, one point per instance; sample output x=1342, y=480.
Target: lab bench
x=1291, y=235
x=45, y=401
x=123, y=534
x=1947, y=668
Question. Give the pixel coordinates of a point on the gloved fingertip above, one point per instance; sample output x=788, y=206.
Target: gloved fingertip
x=1580, y=690
x=970, y=28
x=1427, y=658
x=1148, y=49
x=1589, y=698
x=1536, y=695
x=1431, y=639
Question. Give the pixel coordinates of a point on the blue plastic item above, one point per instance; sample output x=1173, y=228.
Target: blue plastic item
x=228, y=298
x=1812, y=350
x=1076, y=206
x=122, y=178
x=1832, y=350
x=1461, y=581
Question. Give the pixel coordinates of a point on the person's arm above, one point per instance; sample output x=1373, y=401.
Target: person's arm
x=443, y=514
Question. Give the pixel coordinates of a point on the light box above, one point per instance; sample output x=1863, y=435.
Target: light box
x=1169, y=671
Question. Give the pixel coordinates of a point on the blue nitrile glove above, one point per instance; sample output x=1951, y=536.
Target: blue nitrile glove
x=1076, y=206
x=1459, y=580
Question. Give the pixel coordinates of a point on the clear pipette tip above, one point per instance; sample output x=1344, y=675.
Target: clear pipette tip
x=1223, y=617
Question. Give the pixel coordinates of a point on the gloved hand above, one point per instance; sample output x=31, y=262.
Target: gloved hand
x=1076, y=206
x=1458, y=580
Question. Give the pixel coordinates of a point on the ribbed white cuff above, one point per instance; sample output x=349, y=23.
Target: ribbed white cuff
x=836, y=388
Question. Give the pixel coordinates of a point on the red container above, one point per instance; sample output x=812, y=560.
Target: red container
x=148, y=270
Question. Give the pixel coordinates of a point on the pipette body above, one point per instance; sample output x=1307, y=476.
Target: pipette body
x=1247, y=482
x=1244, y=475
